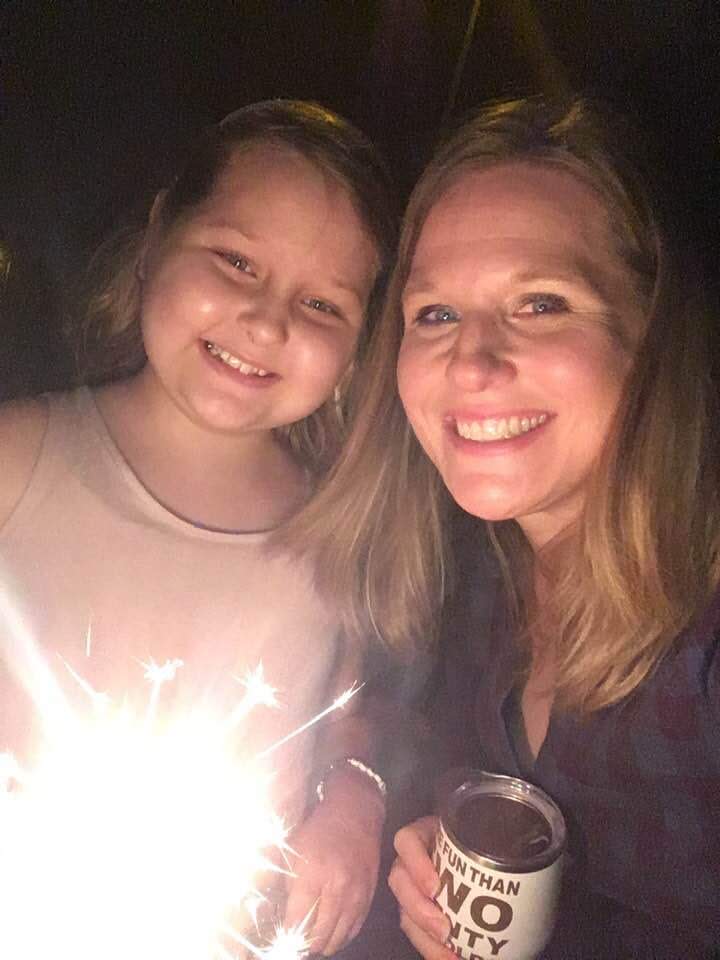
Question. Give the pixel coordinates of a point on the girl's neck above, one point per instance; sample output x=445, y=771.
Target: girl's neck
x=237, y=482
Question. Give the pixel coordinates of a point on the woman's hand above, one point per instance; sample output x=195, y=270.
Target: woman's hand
x=414, y=881
x=336, y=869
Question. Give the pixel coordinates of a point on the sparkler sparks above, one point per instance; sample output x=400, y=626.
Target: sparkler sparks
x=138, y=837
x=257, y=693
x=337, y=704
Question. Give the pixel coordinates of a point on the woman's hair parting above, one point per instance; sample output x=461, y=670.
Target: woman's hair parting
x=107, y=335
x=644, y=557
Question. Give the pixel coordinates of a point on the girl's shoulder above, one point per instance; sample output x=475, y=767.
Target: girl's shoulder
x=22, y=428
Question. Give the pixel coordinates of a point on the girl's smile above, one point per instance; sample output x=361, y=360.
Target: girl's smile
x=244, y=367
x=251, y=306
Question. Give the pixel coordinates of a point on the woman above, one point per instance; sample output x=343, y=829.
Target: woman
x=557, y=381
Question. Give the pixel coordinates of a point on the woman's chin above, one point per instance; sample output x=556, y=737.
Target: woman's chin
x=490, y=505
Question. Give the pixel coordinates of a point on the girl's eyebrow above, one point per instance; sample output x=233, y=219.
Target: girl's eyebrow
x=221, y=224
x=342, y=286
x=336, y=283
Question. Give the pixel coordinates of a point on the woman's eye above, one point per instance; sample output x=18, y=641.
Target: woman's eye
x=321, y=305
x=436, y=315
x=241, y=264
x=538, y=303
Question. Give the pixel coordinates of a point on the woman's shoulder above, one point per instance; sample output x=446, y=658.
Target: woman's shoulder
x=704, y=651
x=22, y=428
x=683, y=692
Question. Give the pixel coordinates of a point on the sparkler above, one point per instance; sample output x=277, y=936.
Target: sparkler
x=137, y=836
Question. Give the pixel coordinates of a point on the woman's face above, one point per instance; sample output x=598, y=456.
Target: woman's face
x=252, y=306
x=518, y=317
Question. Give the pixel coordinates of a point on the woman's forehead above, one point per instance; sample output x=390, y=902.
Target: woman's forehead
x=546, y=211
x=519, y=223
x=517, y=199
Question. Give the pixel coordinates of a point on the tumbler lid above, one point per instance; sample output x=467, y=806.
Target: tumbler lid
x=504, y=822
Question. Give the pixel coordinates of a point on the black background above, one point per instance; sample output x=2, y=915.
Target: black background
x=99, y=99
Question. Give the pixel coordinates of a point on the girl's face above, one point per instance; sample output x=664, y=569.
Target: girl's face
x=519, y=316
x=252, y=306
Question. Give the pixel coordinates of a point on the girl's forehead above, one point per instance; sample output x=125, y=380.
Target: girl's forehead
x=262, y=165
x=266, y=178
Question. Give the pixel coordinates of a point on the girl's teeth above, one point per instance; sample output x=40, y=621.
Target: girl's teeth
x=485, y=431
x=234, y=362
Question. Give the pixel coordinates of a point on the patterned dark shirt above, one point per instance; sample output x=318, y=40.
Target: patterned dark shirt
x=638, y=783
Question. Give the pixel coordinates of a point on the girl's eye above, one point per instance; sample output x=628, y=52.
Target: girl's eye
x=436, y=315
x=320, y=305
x=241, y=264
x=538, y=303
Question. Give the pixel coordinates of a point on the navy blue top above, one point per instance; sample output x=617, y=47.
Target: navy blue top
x=638, y=783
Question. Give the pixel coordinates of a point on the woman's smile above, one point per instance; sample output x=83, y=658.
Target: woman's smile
x=511, y=367
x=500, y=427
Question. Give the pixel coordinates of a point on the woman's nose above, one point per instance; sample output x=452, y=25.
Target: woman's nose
x=482, y=355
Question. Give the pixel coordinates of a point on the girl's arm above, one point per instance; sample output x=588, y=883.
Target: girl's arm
x=338, y=845
x=22, y=428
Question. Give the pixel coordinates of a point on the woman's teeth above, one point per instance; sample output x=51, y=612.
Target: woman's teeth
x=485, y=431
x=234, y=362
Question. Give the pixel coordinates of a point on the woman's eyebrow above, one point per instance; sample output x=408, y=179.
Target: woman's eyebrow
x=418, y=283
x=579, y=277
x=580, y=270
x=421, y=283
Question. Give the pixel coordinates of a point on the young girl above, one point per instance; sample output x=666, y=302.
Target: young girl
x=135, y=513
x=543, y=364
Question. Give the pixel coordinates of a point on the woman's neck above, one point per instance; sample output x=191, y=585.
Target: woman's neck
x=544, y=529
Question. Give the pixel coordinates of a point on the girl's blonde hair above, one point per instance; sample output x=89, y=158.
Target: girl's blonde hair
x=643, y=559
x=107, y=337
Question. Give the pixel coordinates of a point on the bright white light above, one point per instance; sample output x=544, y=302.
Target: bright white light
x=135, y=837
x=127, y=842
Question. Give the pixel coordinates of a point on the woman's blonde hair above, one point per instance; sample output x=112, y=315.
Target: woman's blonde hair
x=107, y=336
x=643, y=559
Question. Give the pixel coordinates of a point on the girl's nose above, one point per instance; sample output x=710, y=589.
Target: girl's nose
x=482, y=355
x=265, y=321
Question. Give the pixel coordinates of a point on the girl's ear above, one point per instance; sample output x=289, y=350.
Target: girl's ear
x=156, y=209
x=151, y=230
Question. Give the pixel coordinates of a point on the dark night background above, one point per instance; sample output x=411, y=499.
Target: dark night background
x=98, y=99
